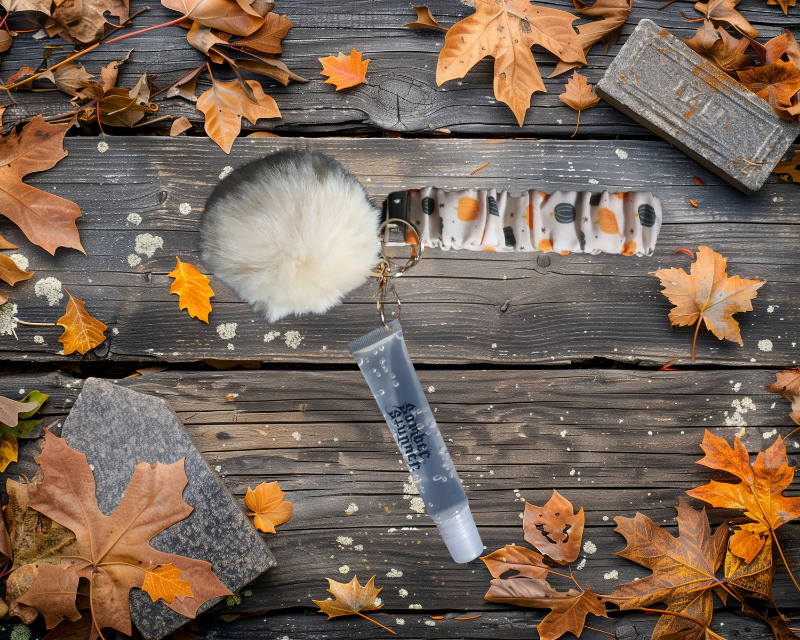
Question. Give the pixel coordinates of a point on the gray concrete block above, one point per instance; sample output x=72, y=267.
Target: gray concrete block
x=665, y=86
x=118, y=428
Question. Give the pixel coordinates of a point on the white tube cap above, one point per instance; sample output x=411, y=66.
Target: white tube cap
x=461, y=536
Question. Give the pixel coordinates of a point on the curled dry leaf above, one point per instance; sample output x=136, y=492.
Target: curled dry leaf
x=5, y=41
x=232, y=16
x=725, y=51
x=185, y=87
x=708, y=295
x=424, y=19
x=506, y=30
x=82, y=332
x=84, y=22
x=266, y=502
x=723, y=11
x=46, y=219
x=751, y=579
x=789, y=170
x=70, y=78
x=561, y=529
x=759, y=494
x=344, y=71
x=775, y=82
x=11, y=274
x=225, y=103
x=527, y=563
x=192, y=287
x=787, y=383
x=118, y=109
x=179, y=126
x=350, y=599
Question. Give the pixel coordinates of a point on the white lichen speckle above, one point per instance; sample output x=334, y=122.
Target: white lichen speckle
x=20, y=260
x=185, y=208
x=231, y=347
x=431, y=389
x=49, y=288
x=741, y=407
x=768, y=434
x=378, y=602
x=589, y=547
x=415, y=606
x=770, y=308
x=398, y=621
x=737, y=386
x=102, y=146
x=611, y=575
x=359, y=547
x=134, y=260
x=344, y=569
x=227, y=330
x=593, y=181
x=765, y=345
x=135, y=219
x=402, y=593
x=147, y=244
x=296, y=435
x=8, y=318
x=38, y=339
x=226, y=171
x=395, y=573
x=417, y=504
x=269, y=337
x=563, y=433
x=351, y=508
x=409, y=488
x=430, y=623
x=292, y=339
x=218, y=468
x=581, y=565
x=345, y=541
x=621, y=154
x=572, y=472
x=115, y=331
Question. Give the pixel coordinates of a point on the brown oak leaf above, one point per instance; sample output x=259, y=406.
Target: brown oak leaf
x=759, y=494
x=775, y=82
x=506, y=30
x=708, y=295
x=787, y=383
x=561, y=528
x=681, y=567
x=46, y=219
x=114, y=553
x=351, y=599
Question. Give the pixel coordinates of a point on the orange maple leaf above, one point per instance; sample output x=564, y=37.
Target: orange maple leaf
x=561, y=529
x=81, y=331
x=266, y=503
x=787, y=383
x=192, y=287
x=579, y=95
x=776, y=82
x=709, y=295
x=164, y=583
x=351, y=599
x=344, y=71
x=758, y=494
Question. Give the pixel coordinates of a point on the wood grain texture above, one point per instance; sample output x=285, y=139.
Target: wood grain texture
x=459, y=306
x=401, y=92
x=616, y=442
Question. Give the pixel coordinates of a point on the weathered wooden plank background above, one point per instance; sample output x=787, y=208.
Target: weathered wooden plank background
x=401, y=94
x=615, y=442
x=459, y=306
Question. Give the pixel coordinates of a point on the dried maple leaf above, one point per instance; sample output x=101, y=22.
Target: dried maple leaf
x=351, y=599
x=236, y=17
x=683, y=567
x=526, y=563
x=114, y=553
x=723, y=11
x=578, y=95
x=344, y=71
x=266, y=502
x=751, y=579
x=225, y=103
x=787, y=383
x=192, y=287
x=725, y=51
x=789, y=170
x=708, y=295
x=163, y=582
x=775, y=82
x=267, y=39
x=506, y=30
x=46, y=219
x=759, y=494
x=82, y=332
x=84, y=22
x=561, y=529
x=424, y=19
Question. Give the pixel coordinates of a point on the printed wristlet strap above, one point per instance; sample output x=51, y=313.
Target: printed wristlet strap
x=564, y=221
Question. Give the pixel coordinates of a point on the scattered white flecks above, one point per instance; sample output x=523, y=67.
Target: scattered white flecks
x=399, y=621
x=589, y=547
x=649, y=433
x=135, y=219
x=611, y=575
x=560, y=121
x=417, y=505
x=605, y=518
x=351, y=508
x=38, y=339
x=22, y=392
x=20, y=260
x=737, y=386
x=391, y=530
x=402, y=592
x=431, y=389
x=39, y=35
x=102, y=146
x=218, y=468
x=593, y=181
x=345, y=541
x=147, y=243
x=621, y=154
x=134, y=260
x=344, y=569
x=765, y=345
x=359, y=547
x=409, y=488
x=226, y=171
x=269, y=337
x=185, y=208
x=49, y=288
x=563, y=434
x=572, y=472
x=430, y=623
x=741, y=407
x=115, y=331
x=292, y=339
x=768, y=434
x=494, y=345
x=227, y=330
x=796, y=444
x=581, y=564
x=230, y=346
x=772, y=406
x=771, y=308
x=409, y=517
x=395, y=573
x=415, y=606
x=296, y=435
x=741, y=432
x=378, y=602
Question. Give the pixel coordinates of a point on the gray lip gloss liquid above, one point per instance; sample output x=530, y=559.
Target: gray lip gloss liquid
x=383, y=359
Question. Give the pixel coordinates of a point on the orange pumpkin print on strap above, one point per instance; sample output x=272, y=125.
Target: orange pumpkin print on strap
x=629, y=248
x=467, y=209
x=545, y=245
x=529, y=215
x=607, y=221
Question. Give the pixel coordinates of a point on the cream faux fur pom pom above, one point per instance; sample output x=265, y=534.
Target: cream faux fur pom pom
x=291, y=233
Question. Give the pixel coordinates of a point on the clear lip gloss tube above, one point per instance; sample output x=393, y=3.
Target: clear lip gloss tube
x=383, y=359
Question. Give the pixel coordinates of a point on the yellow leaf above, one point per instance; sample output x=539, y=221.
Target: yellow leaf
x=8, y=451
x=266, y=503
x=81, y=331
x=164, y=583
x=192, y=287
x=344, y=71
x=351, y=598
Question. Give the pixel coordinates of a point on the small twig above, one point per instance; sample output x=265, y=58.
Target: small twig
x=483, y=166
x=127, y=22
x=664, y=6
x=791, y=433
x=158, y=26
x=37, y=324
x=161, y=119
x=595, y=629
x=55, y=66
x=376, y=622
x=576, y=124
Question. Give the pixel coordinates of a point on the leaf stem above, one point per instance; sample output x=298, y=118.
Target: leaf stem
x=376, y=622
x=55, y=66
x=791, y=433
x=673, y=613
x=158, y=26
x=576, y=124
x=600, y=631
x=783, y=557
x=696, y=331
x=37, y=324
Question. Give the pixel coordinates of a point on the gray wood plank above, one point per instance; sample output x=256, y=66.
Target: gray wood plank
x=401, y=94
x=459, y=306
